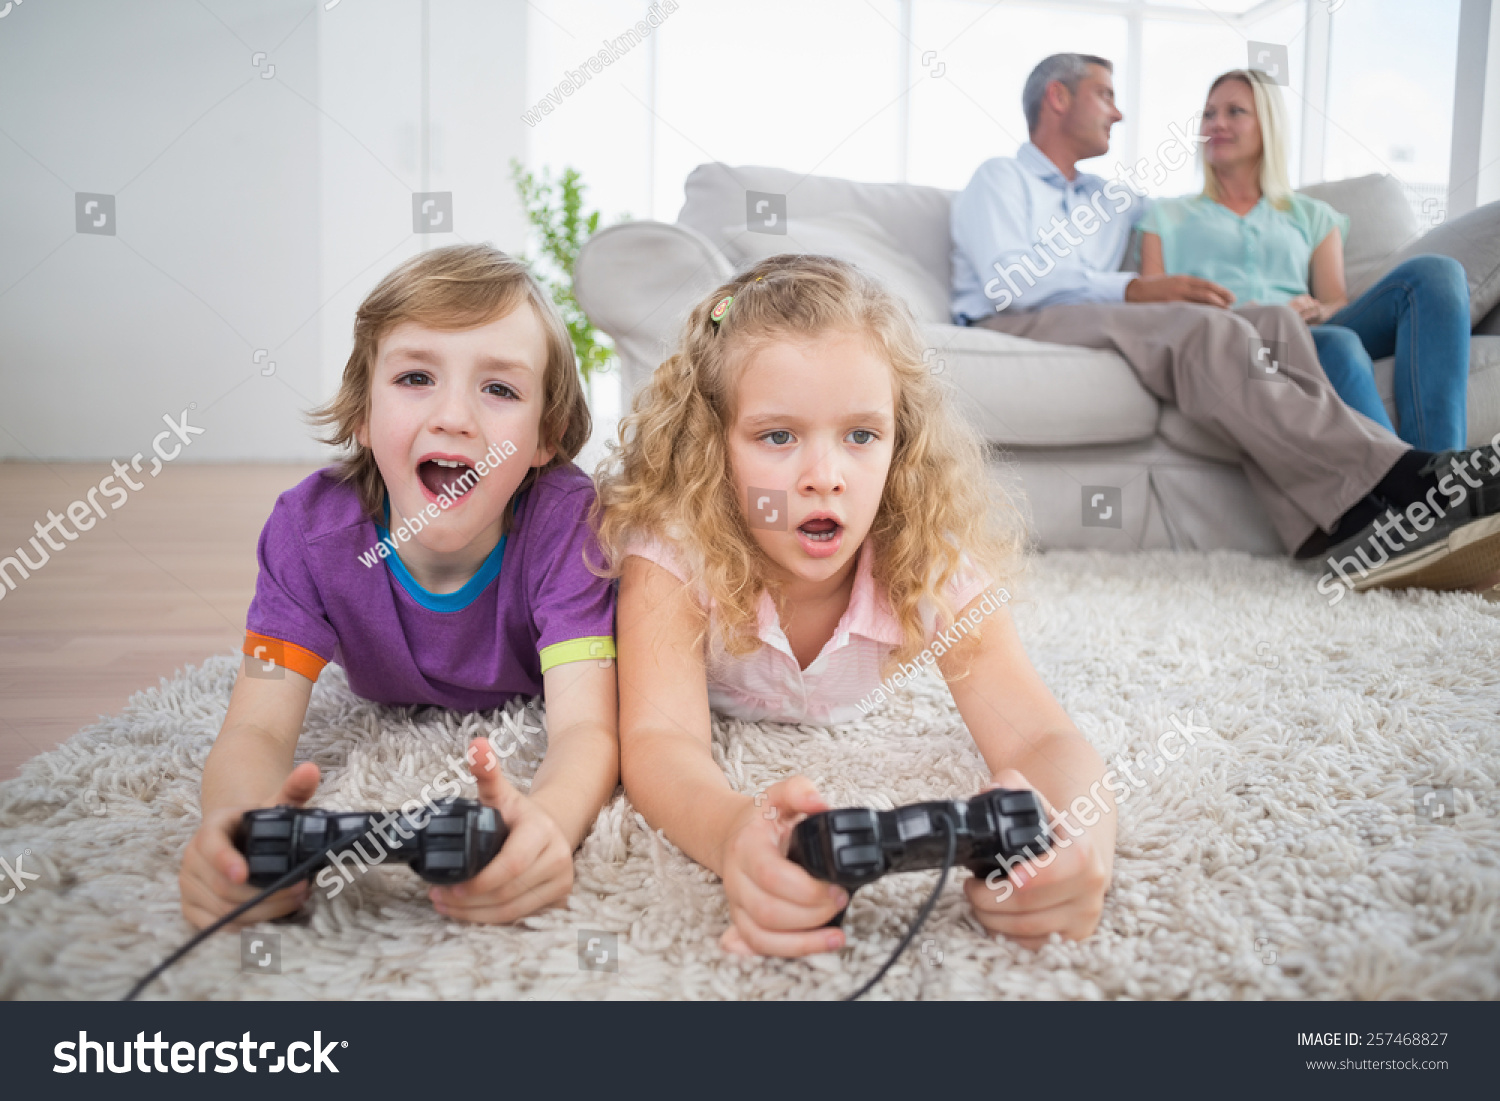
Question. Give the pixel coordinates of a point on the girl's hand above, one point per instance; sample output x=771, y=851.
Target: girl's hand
x=213, y=874
x=1064, y=897
x=1309, y=309
x=533, y=869
x=777, y=909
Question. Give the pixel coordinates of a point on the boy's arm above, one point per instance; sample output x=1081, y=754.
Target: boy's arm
x=250, y=766
x=582, y=765
x=252, y=755
x=534, y=868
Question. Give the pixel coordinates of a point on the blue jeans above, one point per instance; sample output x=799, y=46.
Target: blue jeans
x=1420, y=313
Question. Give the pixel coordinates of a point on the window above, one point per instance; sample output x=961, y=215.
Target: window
x=925, y=90
x=1390, y=96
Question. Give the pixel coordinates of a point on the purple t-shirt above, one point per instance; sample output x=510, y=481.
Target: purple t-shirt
x=323, y=596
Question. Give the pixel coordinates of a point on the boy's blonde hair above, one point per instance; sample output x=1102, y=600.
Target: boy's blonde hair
x=670, y=476
x=1270, y=112
x=457, y=287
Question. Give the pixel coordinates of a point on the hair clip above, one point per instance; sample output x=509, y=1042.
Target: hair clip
x=720, y=310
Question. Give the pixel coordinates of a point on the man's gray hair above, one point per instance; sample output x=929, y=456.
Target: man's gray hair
x=1068, y=68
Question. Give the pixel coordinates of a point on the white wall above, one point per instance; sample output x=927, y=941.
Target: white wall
x=253, y=212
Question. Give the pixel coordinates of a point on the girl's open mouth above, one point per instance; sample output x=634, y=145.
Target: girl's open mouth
x=820, y=538
x=820, y=531
x=446, y=477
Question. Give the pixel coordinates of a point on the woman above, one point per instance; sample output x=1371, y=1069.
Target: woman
x=1249, y=232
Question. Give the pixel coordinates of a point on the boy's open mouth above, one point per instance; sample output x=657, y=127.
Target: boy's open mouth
x=446, y=477
x=819, y=531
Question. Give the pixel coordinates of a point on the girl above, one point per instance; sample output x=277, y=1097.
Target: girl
x=794, y=512
x=1251, y=233
x=442, y=564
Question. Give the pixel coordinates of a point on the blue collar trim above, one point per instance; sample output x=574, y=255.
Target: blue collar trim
x=455, y=601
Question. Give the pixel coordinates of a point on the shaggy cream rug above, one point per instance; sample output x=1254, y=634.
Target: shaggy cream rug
x=1283, y=856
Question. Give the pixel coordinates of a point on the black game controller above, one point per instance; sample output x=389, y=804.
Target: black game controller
x=857, y=846
x=457, y=839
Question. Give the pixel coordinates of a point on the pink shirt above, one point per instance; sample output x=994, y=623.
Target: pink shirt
x=769, y=684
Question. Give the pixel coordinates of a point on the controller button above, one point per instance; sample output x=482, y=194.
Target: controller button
x=445, y=825
x=1018, y=802
x=352, y=823
x=262, y=830
x=853, y=820
x=314, y=823
x=445, y=859
x=913, y=823
x=1020, y=837
x=858, y=856
x=269, y=865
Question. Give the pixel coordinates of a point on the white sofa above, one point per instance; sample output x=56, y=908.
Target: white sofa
x=1060, y=418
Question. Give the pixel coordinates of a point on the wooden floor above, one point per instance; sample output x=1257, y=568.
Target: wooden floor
x=161, y=583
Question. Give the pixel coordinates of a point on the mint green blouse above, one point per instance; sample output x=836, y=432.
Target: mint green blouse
x=1263, y=257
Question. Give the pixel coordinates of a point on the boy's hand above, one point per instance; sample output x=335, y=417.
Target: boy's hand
x=777, y=909
x=213, y=874
x=1064, y=897
x=534, y=867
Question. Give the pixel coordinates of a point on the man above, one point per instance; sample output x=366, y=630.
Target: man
x=1037, y=248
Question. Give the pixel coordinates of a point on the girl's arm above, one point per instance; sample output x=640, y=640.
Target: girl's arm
x=665, y=729
x=667, y=764
x=1151, y=255
x=1326, y=278
x=249, y=767
x=1020, y=728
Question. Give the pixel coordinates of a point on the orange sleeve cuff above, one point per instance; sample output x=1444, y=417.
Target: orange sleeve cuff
x=288, y=655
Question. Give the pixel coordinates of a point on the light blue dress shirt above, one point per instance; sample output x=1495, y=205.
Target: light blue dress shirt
x=1025, y=236
x=1262, y=256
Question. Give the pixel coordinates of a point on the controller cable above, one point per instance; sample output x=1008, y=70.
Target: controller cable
x=203, y=934
x=916, y=925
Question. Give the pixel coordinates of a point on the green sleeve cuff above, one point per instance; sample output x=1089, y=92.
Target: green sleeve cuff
x=592, y=648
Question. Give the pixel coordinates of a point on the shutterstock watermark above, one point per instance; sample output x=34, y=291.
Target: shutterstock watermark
x=87, y=511
x=450, y=492
x=945, y=641
x=1125, y=191
x=17, y=875
x=417, y=810
x=1421, y=515
x=1089, y=809
x=614, y=49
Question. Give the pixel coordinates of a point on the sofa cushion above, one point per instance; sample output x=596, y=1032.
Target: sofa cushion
x=1381, y=224
x=915, y=216
x=849, y=236
x=1023, y=393
x=1474, y=241
x=638, y=281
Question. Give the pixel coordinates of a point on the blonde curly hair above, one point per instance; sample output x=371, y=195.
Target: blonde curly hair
x=670, y=477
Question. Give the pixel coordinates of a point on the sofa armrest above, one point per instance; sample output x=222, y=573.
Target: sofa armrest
x=637, y=281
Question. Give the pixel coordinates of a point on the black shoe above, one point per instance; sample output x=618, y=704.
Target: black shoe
x=1482, y=464
x=1459, y=550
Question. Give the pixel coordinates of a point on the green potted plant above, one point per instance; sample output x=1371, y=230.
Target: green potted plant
x=560, y=225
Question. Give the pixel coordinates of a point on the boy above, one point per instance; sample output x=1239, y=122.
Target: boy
x=441, y=563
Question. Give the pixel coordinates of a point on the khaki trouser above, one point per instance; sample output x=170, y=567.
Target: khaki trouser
x=1252, y=375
